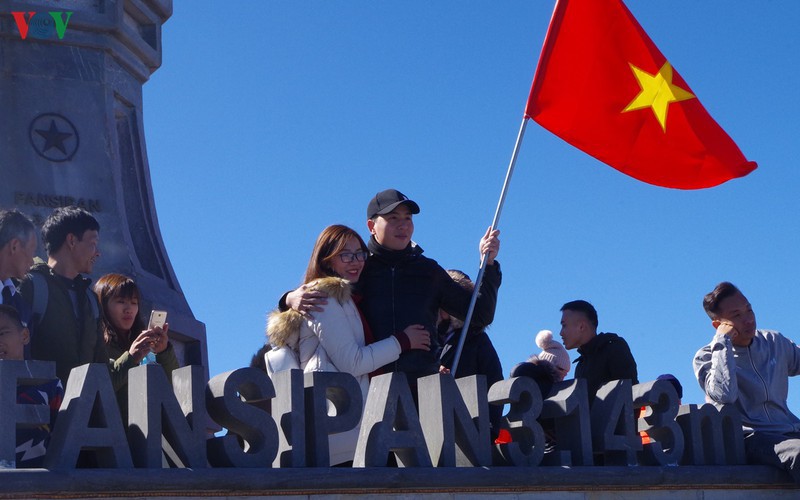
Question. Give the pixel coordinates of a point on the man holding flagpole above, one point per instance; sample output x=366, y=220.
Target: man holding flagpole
x=401, y=287
x=603, y=86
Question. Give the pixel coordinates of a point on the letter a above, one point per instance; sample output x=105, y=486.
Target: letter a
x=22, y=23
x=61, y=24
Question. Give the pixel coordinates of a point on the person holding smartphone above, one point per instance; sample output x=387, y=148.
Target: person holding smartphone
x=127, y=339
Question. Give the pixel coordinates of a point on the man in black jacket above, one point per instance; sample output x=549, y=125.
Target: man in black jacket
x=402, y=289
x=603, y=357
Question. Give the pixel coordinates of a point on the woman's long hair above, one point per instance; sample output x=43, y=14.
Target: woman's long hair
x=330, y=242
x=108, y=288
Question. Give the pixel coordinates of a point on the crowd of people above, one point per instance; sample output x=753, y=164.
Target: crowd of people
x=50, y=312
x=368, y=308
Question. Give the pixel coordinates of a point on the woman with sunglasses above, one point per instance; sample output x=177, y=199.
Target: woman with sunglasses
x=338, y=338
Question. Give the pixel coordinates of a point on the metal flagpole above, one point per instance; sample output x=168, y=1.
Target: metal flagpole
x=495, y=221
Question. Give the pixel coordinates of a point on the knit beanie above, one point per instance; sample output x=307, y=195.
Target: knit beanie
x=552, y=351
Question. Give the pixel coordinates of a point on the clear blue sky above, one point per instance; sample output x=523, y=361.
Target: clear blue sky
x=270, y=120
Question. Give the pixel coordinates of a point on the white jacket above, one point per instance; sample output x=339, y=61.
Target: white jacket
x=333, y=340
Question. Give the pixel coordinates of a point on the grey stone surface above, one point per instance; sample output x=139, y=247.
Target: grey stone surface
x=475, y=394
x=659, y=422
x=711, y=436
x=391, y=425
x=288, y=411
x=89, y=420
x=614, y=433
x=341, y=391
x=72, y=133
x=454, y=416
x=174, y=412
x=590, y=482
x=750, y=494
x=232, y=400
x=525, y=405
x=568, y=406
x=13, y=415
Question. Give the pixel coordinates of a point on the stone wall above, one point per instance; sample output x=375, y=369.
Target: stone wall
x=690, y=482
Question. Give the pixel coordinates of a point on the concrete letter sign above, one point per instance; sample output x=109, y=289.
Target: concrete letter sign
x=156, y=411
x=391, y=425
x=568, y=406
x=342, y=392
x=13, y=415
x=455, y=420
x=231, y=400
x=527, y=438
x=711, y=436
x=661, y=404
x=288, y=411
x=89, y=419
x=613, y=427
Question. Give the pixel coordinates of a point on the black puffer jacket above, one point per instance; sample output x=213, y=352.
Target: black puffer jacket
x=402, y=288
x=605, y=358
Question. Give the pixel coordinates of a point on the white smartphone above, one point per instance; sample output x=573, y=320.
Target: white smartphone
x=157, y=318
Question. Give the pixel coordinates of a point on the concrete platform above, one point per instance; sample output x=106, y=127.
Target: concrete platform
x=575, y=483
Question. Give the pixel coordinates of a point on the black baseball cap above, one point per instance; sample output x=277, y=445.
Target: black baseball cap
x=387, y=200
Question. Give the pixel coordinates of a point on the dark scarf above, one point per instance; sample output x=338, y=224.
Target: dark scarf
x=392, y=257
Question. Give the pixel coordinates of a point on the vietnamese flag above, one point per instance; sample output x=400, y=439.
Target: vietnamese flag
x=603, y=86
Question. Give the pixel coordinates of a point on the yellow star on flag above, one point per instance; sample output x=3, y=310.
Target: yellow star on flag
x=657, y=93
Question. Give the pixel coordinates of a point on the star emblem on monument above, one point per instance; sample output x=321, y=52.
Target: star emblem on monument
x=657, y=93
x=53, y=137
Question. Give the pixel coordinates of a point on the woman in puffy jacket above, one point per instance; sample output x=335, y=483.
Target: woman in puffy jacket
x=337, y=338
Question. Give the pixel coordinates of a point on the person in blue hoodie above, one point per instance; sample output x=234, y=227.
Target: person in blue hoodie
x=749, y=369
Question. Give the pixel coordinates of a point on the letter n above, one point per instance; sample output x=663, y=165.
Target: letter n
x=22, y=23
x=154, y=410
x=456, y=435
x=391, y=425
x=89, y=420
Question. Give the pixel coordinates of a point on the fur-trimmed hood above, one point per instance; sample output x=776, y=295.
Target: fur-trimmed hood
x=283, y=328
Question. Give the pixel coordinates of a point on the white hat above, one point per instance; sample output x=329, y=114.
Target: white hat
x=552, y=351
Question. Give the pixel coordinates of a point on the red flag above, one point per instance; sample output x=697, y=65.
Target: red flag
x=603, y=86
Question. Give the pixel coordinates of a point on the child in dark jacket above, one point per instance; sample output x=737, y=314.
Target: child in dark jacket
x=478, y=355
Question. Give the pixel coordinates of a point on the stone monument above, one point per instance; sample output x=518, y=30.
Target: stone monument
x=71, y=76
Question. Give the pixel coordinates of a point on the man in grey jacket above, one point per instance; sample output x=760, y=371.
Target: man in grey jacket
x=750, y=369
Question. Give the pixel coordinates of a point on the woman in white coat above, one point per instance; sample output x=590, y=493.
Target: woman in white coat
x=338, y=338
